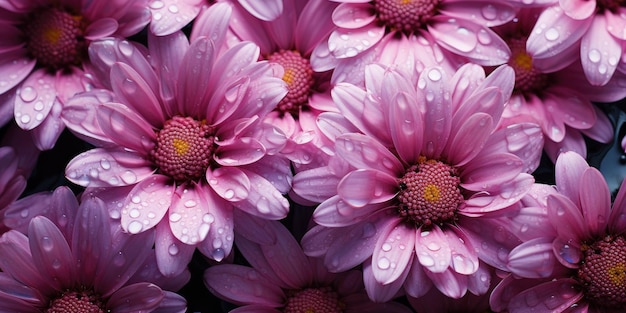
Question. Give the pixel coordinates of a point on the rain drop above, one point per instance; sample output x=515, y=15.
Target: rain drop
x=489, y=12
x=28, y=94
x=129, y=177
x=434, y=74
x=426, y=260
x=386, y=247
x=135, y=227
x=552, y=34
x=173, y=8
x=175, y=217
x=157, y=5
x=383, y=263
x=229, y=194
x=25, y=119
x=172, y=249
x=38, y=106
x=46, y=243
x=126, y=48
x=190, y=203
x=134, y=213
x=105, y=164
x=594, y=56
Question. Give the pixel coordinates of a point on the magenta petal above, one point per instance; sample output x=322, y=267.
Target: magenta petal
x=243, y=285
x=46, y=134
x=126, y=128
x=437, y=119
x=230, y=183
x=172, y=256
x=449, y=283
x=140, y=297
x=600, y=52
x=567, y=218
x=464, y=258
x=165, y=22
x=533, y=258
x=213, y=22
x=499, y=197
x=553, y=296
x=14, y=67
x=417, y=283
x=292, y=267
x=266, y=10
x=101, y=28
x=489, y=100
x=479, y=282
x=569, y=168
x=406, y=124
x=219, y=242
x=578, y=9
x=394, y=246
x=378, y=292
x=255, y=308
x=51, y=252
x=433, y=250
x=264, y=200
x=34, y=99
x=108, y=168
x=491, y=14
x=365, y=186
x=524, y=140
x=79, y=115
x=486, y=173
x=21, y=266
x=146, y=204
x=193, y=77
x=364, y=152
x=353, y=15
x=334, y=212
x=617, y=218
x=91, y=237
x=342, y=42
x=168, y=52
x=568, y=253
x=595, y=201
x=316, y=184
x=470, y=138
x=541, y=46
x=241, y=151
x=189, y=215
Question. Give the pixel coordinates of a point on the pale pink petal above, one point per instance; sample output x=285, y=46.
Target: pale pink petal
x=193, y=77
x=254, y=229
x=34, y=100
x=488, y=13
x=169, y=16
x=343, y=43
x=172, y=256
x=394, y=246
x=133, y=91
x=578, y=9
x=488, y=101
x=189, y=215
x=600, y=52
x=476, y=42
x=364, y=152
x=46, y=134
x=230, y=183
x=322, y=59
x=126, y=128
x=499, y=197
x=567, y=252
x=578, y=110
x=14, y=67
x=316, y=184
x=365, y=186
x=212, y=23
x=568, y=217
x=464, y=83
x=263, y=9
x=79, y=115
x=275, y=169
x=572, y=142
x=264, y=200
x=485, y=173
x=318, y=13
x=351, y=16
x=470, y=138
x=101, y=28
x=137, y=297
x=602, y=129
x=491, y=241
x=433, y=250
x=147, y=202
x=449, y=283
x=479, y=282
x=464, y=258
x=533, y=258
x=51, y=252
x=437, y=119
x=417, y=283
x=558, y=32
x=108, y=168
x=239, y=152
x=556, y=295
x=595, y=201
x=569, y=168
x=334, y=212
x=355, y=106
x=243, y=285
x=378, y=292
x=168, y=53
x=502, y=77
x=219, y=242
x=90, y=238
x=405, y=123
x=617, y=23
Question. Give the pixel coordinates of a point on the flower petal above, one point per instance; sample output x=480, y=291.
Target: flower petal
x=264, y=200
x=34, y=99
x=343, y=43
x=101, y=28
x=108, y=168
x=146, y=204
x=533, y=258
x=219, y=242
x=126, y=128
x=484, y=13
x=405, y=122
x=600, y=52
x=172, y=256
x=189, y=215
x=595, y=201
x=353, y=15
x=51, y=252
x=243, y=285
x=438, y=111
x=568, y=169
x=394, y=252
x=193, y=77
x=549, y=42
x=14, y=67
x=449, y=283
x=165, y=21
x=433, y=250
x=366, y=186
x=464, y=258
x=139, y=297
x=266, y=10
x=417, y=283
x=364, y=152
x=556, y=295
x=241, y=151
x=568, y=217
x=230, y=183
x=470, y=138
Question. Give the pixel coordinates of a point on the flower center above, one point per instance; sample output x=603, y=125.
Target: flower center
x=313, y=300
x=77, y=302
x=429, y=193
x=603, y=272
x=183, y=148
x=55, y=38
x=405, y=15
x=299, y=78
x=527, y=78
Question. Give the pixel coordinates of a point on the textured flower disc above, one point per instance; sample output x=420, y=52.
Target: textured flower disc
x=603, y=272
x=527, y=78
x=55, y=38
x=299, y=78
x=313, y=300
x=76, y=302
x=405, y=15
x=183, y=149
x=429, y=193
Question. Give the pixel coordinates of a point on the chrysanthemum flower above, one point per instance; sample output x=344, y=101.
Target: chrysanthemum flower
x=461, y=27
x=589, y=32
x=188, y=137
x=283, y=279
x=580, y=265
x=401, y=196
x=169, y=16
x=43, y=54
x=555, y=95
x=76, y=259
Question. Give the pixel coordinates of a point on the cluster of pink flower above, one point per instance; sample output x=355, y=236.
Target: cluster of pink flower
x=311, y=155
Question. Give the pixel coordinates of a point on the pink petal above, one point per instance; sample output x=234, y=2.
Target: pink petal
x=449, y=283
x=243, y=285
x=168, y=53
x=394, y=246
x=567, y=252
x=578, y=9
x=193, y=77
x=46, y=134
x=21, y=266
x=14, y=67
x=502, y=77
x=470, y=138
x=134, y=92
x=553, y=296
x=169, y=16
x=51, y=252
x=482, y=12
x=491, y=241
x=264, y=10
x=600, y=52
x=595, y=201
x=405, y=123
x=533, y=258
x=464, y=258
x=138, y=297
x=433, y=250
x=146, y=204
x=362, y=187
x=464, y=83
x=437, y=118
x=524, y=140
x=334, y=212
x=316, y=184
x=353, y=15
x=101, y=28
x=617, y=22
x=172, y=256
x=552, y=38
x=364, y=152
x=275, y=169
x=230, y=183
x=236, y=59
x=343, y=43
x=34, y=100
x=566, y=218
x=317, y=13
x=126, y=128
x=485, y=173
x=355, y=106
x=417, y=283
x=79, y=115
x=239, y=152
x=480, y=282
x=108, y=168
x=322, y=59
x=579, y=110
x=378, y=292
x=189, y=215
x=91, y=237
x=602, y=129
x=478, y=43
x=254, y=229
x=500, y=196
x=569, y=168
x=264, y=200
x=219, y=242
x=617, y=218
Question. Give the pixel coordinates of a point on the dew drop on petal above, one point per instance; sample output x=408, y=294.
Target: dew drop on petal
x=46, y=243
x=190, y=203
x=218, y=254
x=434, y=74
x=383, y=263
x=594, y=56
x=135, y=227
x=489, y=12
x=126, y=48
x=28, y=94
x=135, y=199
x=173, y=8
x=386, y=247
x=157, y=4
x=134, y=213
x=433, y=246
x=229, y=194
x=172, y=249
x=129, y=177
x=426, y=260
x=552, y=34
x=175, y=217
x=25, y=119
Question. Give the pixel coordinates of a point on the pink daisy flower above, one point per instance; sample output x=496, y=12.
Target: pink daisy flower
x=589, y=32
x=44, y=55
x=580, y=265
x=169, y=16
x=292, y=282
x=188, y=137
x=555, y=95
x=461, y=27
x=405, y=196
x=76, y=260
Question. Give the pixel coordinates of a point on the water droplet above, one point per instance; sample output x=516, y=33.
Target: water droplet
x=489, y=12
x=483, y=37
x=208, y=218
x=433, y=246
x=157, y=4
x=38, y=106
x=105, y=164
x=383, y=263
x=46, y=243
x=594, y=56
x=129, y=177
x=119, y=259
x=173, y=8
x=190, y=203
x=157, y=16
x=25, y=119
x=135, y=199
x=426, y=260
x=229, y=194
x=134, y=213
x=56, y=264
x=386, y=247
x=552, y=34
x=175, y=217
x=135, y=227
x=172, y=249
x=129, y=86
x=125, y=48
x=218, y=254
x=434, y=74
x=28, y=94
